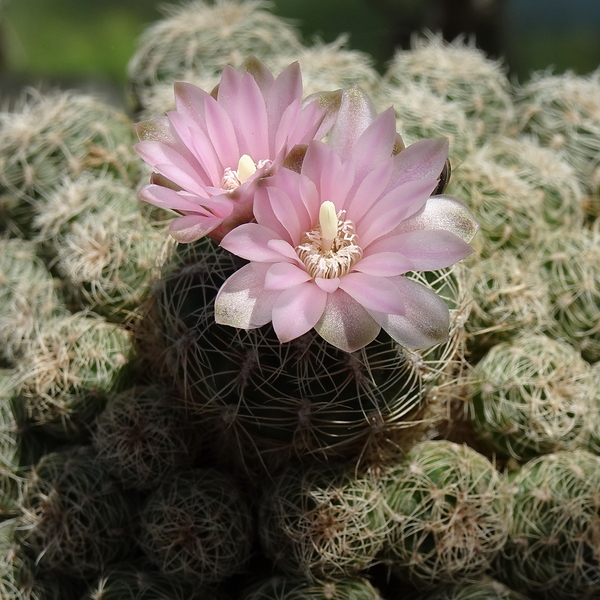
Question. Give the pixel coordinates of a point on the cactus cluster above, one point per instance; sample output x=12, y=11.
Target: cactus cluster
x=149, y=452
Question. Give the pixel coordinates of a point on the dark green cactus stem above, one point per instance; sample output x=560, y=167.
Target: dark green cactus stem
x=198, y=527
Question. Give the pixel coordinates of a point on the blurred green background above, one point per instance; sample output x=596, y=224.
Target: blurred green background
x=80, y=42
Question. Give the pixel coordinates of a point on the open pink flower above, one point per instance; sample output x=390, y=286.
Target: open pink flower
x=210, y=152
x=331, y=244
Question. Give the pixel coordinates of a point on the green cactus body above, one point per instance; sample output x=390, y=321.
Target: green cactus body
x=28, y=295
x=132, y=581
x=449, y=514
x=486, y=589
x=196, y=40
x=198, y=526
x=450, y=90
x=295, y=398
x=282, y=588
x=56, y=134
x=563, y=111
x=552, y=549
x=532, y=396
x=75, y=520
x=571, y=260
x=142, y=436
x=69, y=367
x=510, y=297
x=322, y=522
x=19, y=579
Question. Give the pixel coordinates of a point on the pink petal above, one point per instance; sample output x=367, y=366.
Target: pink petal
x=431, y=249
x=222, y=134
x=374, y=293
x=168, y=198
x=345, y=323
x=424, y=159
x=285, y=249
x=375, y=143
x=190, y=102
x=190, y=228
x=250, y=241
x=285, y=92
x=425, y=321
x=442, y=212
x=328, y=285
x=296, y=310
x=398, y=204
x=330, y=103
x=285, y=211
x=356, y=113
x=384, y=264
x=282, y=276
x=263, y=77
x=369, y=190
x=243, y=301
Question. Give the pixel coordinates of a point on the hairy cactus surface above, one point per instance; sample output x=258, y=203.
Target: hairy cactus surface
x=449, y=514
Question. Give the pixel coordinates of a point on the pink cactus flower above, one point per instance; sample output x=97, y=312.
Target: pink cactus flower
x=331, y=244
x=209, y=154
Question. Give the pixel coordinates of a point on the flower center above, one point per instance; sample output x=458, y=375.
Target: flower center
x=232, y=179
x=330, y=249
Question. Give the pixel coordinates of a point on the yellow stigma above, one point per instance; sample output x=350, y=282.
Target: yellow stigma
x=328, y=221
x=246, y=168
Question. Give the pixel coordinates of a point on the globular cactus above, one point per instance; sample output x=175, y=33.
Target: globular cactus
x=284, y=588
x=28, y=295
x=322, y=522
x=135, y=581
x=563, y=111
x=510, y=296
x=297, y=398
x=198, y=527
x=449, y=89
x=70, y=366
x=449, y=514
x=486, y=589
x=552, y=549
x=532, y=395
x=142, y=436
x=197, y=39
x=75, y=519
x=571, y=260
x=53, y=135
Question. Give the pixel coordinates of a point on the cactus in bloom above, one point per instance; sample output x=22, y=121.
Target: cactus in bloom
x=552, y=548
x=75, y=520
x=142, y=436
x=70, y=366
x=532, y=396
x=321, y=522
x=28, y=295
x=198, y=526
x=284, y=588
x=196, y=40
x=571, y=260
x=56, y=134
x=449, y=514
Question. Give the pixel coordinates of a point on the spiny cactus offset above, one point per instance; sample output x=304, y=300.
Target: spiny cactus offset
x=50, y=136
x=142, y=436
x=552, y=548
x=449, y=514
x=321, y=522
x=28, y=295
x=198, y=526
x=197, y=39
x=282, y=588
x=532, y=396
x=75, y=519
x=69, y=367
x=486, y=589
